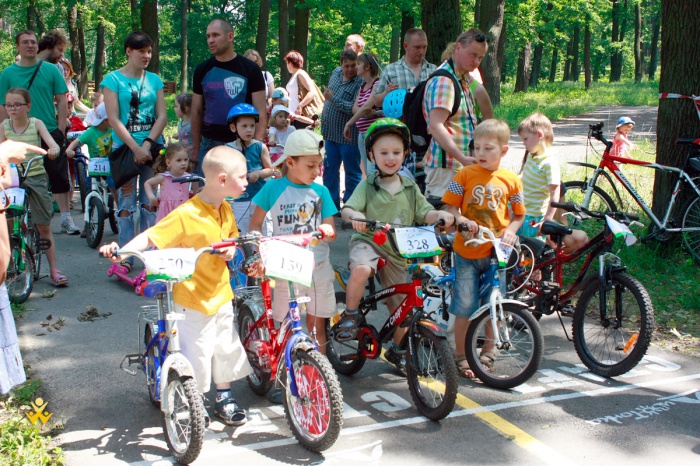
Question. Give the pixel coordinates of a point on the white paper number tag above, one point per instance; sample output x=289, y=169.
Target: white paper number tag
x=169, y=264
x=502, y=252
x=620, y=229
x=288, y=262
x=99, y=167
x=416, y=242
x=16, y=196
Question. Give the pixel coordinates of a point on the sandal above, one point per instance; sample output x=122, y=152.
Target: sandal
x=487, y=358
x=58, y=279
x=463, y=368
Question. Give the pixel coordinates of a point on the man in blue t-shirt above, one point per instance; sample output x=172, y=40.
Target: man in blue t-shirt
x=219, y=83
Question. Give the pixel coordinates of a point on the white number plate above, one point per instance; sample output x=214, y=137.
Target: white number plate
x=99, y=167
x=170, y=264
x=503, y=252
x=17, y=197
x=621, y=230
x=287, y=261
x=416, y=242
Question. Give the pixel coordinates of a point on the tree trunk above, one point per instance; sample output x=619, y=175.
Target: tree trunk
x=73, y=36
x=477, y=11
x=555, y=62
x=587, y=54
x=99, y=51
x=618, y=34
x=263, y=29
x=575, y=69
x=301, y=29
x=33, y=13
x=567, y=63
x=654, y=45
x=291, y=18
x=536, y=64
x=680, y=73
x=149, y=25
x=83, y=79
x=442, y=23
x=134, y=9
x=31, y=18
x=638, y=55
x=491, y=22
x=407, y=22
x=283, y=20
x=522, y=78
x=184, y=77
x=395, y=43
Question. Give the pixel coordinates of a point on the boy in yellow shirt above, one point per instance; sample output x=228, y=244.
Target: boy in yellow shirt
x=207, y=336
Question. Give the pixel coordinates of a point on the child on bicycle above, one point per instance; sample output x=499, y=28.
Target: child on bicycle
x=172, y=164
x=384, y=196
x=621, y=143
x=242, y=119
x=279, y=130
x=479, y=195
x=207, y=336
x=23, y=128
x=298, y=204
x=541, y=180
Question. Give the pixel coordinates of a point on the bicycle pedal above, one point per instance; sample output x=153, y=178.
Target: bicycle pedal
x=43, y=244
x=550, y=286
x=131, y=359
x=567, y=310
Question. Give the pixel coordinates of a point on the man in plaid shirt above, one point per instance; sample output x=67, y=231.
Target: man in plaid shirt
x=449, y=149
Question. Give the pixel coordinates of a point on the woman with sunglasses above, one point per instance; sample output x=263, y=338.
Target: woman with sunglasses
x=135, y=104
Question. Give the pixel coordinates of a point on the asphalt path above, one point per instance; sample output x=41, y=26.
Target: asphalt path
x=563, y=415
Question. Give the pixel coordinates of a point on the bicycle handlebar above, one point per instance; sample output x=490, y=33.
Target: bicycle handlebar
x=303, y=239
x=484, y=235
x=125, y=253
x=188, y=179
x=596, y=131
x=29, y=164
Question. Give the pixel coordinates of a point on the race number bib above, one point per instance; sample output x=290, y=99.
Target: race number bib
x=169, y=264
x=17, y=197
x=99, y=167
x=288, y=262
x=416, y=242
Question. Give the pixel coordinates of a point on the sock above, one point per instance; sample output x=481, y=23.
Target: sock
x=64, y=215
x=222, y=394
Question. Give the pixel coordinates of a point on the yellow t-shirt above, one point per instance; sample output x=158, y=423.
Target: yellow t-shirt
x=483, y=196
x=196, y=224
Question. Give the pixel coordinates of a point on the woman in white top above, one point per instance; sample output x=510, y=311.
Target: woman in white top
x=295, y=62
x=255, y=57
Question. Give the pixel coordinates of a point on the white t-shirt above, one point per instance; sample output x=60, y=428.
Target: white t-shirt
x=280, y=138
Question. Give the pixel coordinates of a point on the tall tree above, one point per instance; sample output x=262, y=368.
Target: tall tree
x=654, y=43
x=149, y=25
x=407, y=22
x=587, y=53
x=491, y=22
x=82, y=69
x=99, y=49
x=301, y=28
x=618, y=36
x=522, y=78
x=263, y=29
x=283, y=18
x=442, y=22
x=638, y=56
x=184, y=11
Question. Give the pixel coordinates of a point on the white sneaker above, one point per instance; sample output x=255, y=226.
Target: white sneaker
x=68, y=226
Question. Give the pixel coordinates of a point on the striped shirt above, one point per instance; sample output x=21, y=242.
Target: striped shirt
x=538, y=173
x=28, y=136
x=364, y=122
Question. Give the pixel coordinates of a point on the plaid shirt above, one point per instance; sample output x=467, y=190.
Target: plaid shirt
x=440, y=93
x=337, y=110
x=401, y=74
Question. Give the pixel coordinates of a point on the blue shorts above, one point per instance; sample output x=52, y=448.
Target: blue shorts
x=465, y=295
x=526, y=229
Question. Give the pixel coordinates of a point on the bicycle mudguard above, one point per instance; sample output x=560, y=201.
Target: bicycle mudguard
x=487, y=307
x=433, y=327
x=256, y=307
x=298, y=341
x=583, y=164
x=91, y=194
x=178, y=363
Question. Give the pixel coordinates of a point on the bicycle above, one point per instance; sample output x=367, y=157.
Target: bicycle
x=82, y=177
x=313, y=401
x=26, y=245
x=613, y=319
x=169, y=375
x=430, y=371
x=596, y=199
x=99, y=202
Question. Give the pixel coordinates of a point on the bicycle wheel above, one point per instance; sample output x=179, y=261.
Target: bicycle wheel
x=259, y=380
x=152, y=367
x=81, y=174
x=600, y=202
x=345, y=357
x=96, y=221
x=183, y=424
x=691, y=219
x=431, y=374
x=34, y=240
x=612, y=344
x=316, y=416
x=20, y=272
x=112, y=215
x=521, y=352
x=532, y=252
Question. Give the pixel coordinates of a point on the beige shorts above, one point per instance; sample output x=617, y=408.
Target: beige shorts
x=321, y=292
x=212, y=345
x=39, y=199
x=363, y=253
x=437, y=180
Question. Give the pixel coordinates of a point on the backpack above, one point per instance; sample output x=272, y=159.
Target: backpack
x=413, y=110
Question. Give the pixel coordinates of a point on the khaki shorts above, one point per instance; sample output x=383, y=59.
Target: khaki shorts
x=321, y=292
x=437, y=180
x=39, y=199
x=363, y=253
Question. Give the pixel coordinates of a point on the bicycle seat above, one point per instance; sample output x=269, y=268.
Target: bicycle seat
x=555, y=229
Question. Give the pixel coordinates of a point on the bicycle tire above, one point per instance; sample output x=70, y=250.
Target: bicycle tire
x=691, y=219
x=316, y=416
x=36, y=253
x=80, y=172
x=152, y=367
x=604, y=349
x=96, y=222
x=515, y=363
x=20, y=273
x=431, y=374
x=600, y=201
x=259, y=380
x=183, y=425
x=112, y=215
x=345, y=357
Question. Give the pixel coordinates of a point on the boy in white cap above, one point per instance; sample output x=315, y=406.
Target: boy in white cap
x=279, y=130
x=621, y=143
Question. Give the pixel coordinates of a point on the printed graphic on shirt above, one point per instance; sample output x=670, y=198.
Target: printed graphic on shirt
x=138, y=122
x=301, y=217
x=222, y=90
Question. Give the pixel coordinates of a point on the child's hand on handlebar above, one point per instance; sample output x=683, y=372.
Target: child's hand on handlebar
x=228, y=253
x=328, y=231
x=447, y=217
x=471, y=226
x=509, y=238
x=53, y=152
x=70, y=153
x=107, y=251
x=360, y=227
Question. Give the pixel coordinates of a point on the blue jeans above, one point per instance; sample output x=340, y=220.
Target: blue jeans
x=205, y=146
x=128, y=203
x=349, y=156
x=465, y=294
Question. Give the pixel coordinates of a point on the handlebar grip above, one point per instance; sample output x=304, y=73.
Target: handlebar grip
x=462, y=228
x=226, y=243
x=568, y=206
x=187, y=179
x=346, y=225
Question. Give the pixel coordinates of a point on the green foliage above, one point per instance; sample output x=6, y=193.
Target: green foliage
x=22, y=443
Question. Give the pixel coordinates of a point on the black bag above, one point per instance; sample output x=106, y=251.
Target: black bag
x=122, y=165
x=413, y=110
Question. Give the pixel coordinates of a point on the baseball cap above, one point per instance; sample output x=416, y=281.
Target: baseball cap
x=280, y=93
x=624, y=121
x=100, y=115
x=278, y=108
x=302, y=142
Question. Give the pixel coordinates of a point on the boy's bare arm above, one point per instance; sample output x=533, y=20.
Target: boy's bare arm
x=435, y=215
x=257, y=219
x=328, y=229
x=139, y=243
x=510, y=235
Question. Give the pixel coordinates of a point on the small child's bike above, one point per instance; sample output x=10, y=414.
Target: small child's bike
x=169, y=375
x=313, y=401
x=99, y=203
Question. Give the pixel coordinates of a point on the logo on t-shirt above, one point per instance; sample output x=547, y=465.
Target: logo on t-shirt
x=234, y=85
x=489, y=195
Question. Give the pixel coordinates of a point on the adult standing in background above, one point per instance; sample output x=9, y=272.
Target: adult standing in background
x=68, y=75
x=219, y=83
x=340, y=96
x=304, y=97
x=135, y=104
x=255, y=57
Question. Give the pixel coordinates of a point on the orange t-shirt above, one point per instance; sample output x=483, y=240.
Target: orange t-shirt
x=483, y=196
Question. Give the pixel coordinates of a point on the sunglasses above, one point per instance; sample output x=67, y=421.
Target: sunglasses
x=478, y=37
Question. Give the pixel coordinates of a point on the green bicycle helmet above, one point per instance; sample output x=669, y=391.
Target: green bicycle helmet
x=387, y=126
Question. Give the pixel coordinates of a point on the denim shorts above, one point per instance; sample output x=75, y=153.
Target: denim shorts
x=465, y=295
x=526, y=229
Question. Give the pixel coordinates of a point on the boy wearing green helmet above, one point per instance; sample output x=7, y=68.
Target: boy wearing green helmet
x=384, y=196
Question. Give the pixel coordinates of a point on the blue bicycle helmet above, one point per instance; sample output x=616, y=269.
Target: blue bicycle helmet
x=393, y=103
x=240, y=110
